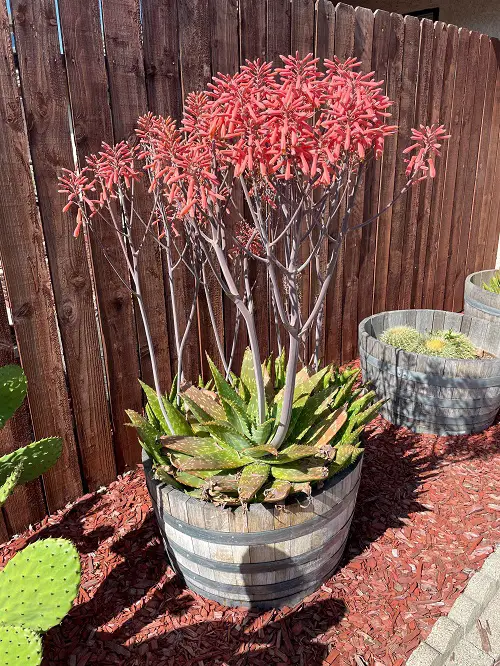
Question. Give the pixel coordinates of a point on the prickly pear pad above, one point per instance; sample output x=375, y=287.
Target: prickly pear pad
x=19, y=646
x=12, y=391
x=39, y=584
x=36, y=459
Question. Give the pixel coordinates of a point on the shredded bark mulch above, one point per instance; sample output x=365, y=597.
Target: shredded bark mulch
x=428, y=514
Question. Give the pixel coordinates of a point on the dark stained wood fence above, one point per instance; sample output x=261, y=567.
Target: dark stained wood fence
x=72, y=75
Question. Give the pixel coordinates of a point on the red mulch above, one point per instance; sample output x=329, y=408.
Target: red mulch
x=428, y=514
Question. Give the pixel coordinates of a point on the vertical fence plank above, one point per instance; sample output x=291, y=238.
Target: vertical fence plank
x=406, y=119
x=28, y=283
x=253, y=44
x=477, y=230
x=488, y=224
x=127, y=85
x=395, y=36
x=410, y=253
x=46, y=103
x=478, y=81
x=225, y=59
x=27, y=504
x=324, y=48
x=344, y=48
x=363, y=41
x=88, y=87
x=196, y=71
x=444, y=117
x=161, y=57
x=445, y=246
x=457, y=237
x=425, y=229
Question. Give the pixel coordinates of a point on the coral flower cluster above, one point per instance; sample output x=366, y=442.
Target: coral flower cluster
x=263, y=123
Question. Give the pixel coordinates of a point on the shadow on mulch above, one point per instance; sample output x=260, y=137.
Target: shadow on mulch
x=394, y=470
x=210, y=641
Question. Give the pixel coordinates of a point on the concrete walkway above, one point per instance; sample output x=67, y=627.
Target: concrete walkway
x=470, y=634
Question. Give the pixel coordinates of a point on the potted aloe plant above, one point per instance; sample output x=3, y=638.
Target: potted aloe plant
x=254, y=475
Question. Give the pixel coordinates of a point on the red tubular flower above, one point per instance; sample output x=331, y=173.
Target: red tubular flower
x=78, y=187
x=426, y=142
x=114, y=164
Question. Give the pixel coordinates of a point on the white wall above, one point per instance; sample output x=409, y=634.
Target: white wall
x=480, y=15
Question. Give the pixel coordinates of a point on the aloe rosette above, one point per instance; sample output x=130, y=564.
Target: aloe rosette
x=218, y=451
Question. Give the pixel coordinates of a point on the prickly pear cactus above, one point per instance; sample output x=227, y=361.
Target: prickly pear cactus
x=39, y=584
x=35, y=458
x=12, y=391
x=10, y=481
x=19, y=646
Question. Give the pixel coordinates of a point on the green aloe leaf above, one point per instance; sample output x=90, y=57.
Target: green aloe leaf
x=345, y=391
x=293, y=452
x=252, y=478
x=247, y=375
x=262, y=432
x=207, y=457
x=180, y=424
x=164, y=473
x=12, y=391
x=148, y=436
x=277, y=491
x=300, y=471
x=222, y=483
x=325, y=435
x=187, y=479
x=313, y=408
x=202, y=405
x=363, y=418
x=224, y=433
x=261, y=451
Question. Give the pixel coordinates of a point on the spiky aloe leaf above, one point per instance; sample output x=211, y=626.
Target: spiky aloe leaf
x=19, y=646
x=325, y=436
x=180, y=425
x=345, y=391
x=293, y=452
x=351, y=437
x=202, y=405
x=153, y=420
x=224, y=433
x=173, y=391
x=205, y=454
x=199, y=447
x=343, y=455
x=234, y=405
x=12, y=391
x=148, y=436
x=262, y=432
x=164, y=473
x=363, y=418
x=252, y=478
x=222, y=483
x=279, y=371
x=36, y=459
x=261, y=451
x=277, y=491
x=10, y=483
x=314, y=407
x=39, y=584
x=300, y=471
x=247, y=375
x=191, y=480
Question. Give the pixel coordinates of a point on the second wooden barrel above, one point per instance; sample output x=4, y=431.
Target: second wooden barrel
x=479, y=302
x=263, y=556
x=430, y=394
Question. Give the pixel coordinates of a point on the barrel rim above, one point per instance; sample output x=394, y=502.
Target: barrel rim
x=413, y=357
x=316, y=492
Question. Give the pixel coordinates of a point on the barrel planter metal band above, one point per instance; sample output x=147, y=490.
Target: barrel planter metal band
x=263, y=556
x=431, y=394
x=479, y=302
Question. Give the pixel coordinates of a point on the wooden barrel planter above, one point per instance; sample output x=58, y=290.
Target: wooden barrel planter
x=263, y=556
x=479, y=302
x=430, y=394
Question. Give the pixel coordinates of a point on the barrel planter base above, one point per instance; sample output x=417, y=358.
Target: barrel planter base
x=429, y=394
x=479, y=302
x=261, y=556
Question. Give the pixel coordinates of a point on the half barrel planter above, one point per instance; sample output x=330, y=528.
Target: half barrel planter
x=479, y=302
x=264, y=556
x=429, y=394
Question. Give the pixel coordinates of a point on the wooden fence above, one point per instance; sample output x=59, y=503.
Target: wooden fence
x=74, y=74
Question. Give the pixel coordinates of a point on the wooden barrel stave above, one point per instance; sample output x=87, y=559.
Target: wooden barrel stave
x=263, y=557
x=431, y=394
x=479, y=302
